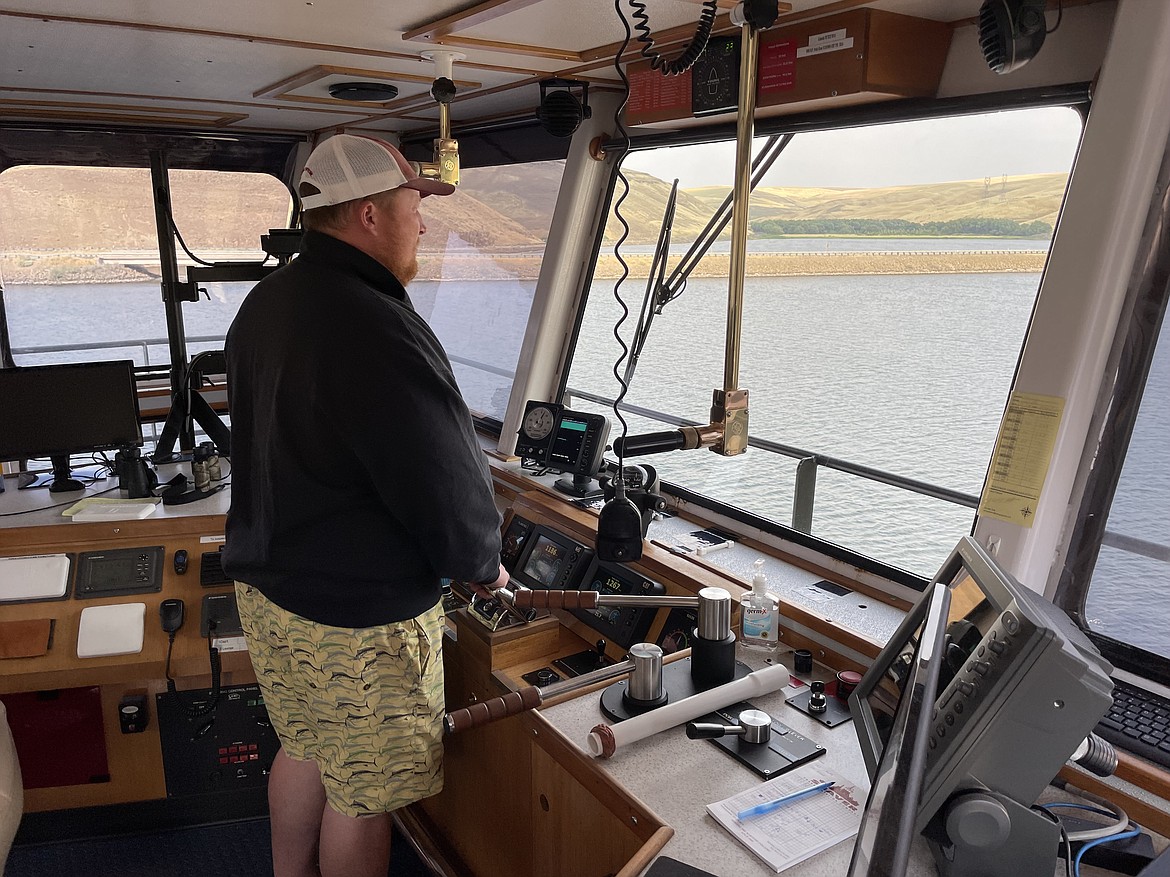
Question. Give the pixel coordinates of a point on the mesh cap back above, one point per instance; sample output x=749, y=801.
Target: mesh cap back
x=347, y=166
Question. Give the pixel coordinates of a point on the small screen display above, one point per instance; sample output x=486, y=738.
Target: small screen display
x=970, y=617
x=883, y=700
x=566, y=447
x=545, y=561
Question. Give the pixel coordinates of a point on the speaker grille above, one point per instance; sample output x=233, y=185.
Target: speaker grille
x=992, y=39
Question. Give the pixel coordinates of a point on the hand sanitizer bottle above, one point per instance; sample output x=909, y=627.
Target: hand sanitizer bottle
x=759, y=614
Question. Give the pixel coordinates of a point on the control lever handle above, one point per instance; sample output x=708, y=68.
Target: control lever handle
x=709, y=731
x=755, y=726
x=515, y=702
x=489, y=710
x=524, y=598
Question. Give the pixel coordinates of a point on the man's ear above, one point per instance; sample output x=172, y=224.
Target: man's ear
x=365, y=214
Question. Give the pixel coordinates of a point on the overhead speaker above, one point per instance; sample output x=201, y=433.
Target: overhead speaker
x=560, y=112
x=374, y=92
x=1011, y=32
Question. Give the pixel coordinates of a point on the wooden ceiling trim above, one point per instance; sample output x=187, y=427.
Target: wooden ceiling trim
x=250, y=38
x=320, y=71
x=478, y=14
x=401, y=108
x=221, y=121
x=169, y=98
x=459, y=42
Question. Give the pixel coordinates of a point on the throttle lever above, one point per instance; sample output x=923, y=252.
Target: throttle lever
x=755, y=726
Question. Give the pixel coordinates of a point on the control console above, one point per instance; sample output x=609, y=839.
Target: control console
x=231, y=747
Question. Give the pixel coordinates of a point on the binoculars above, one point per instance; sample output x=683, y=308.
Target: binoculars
x=135, y=477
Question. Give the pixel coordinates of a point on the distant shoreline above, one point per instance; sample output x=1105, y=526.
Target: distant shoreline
x=73, y=270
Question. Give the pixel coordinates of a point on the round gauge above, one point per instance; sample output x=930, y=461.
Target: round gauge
x=538, y=423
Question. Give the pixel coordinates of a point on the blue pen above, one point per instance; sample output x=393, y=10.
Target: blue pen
x=769, y=806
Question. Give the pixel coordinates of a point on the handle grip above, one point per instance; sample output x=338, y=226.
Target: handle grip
x=526, y=598
x=650, y=443
x=708, y=731
x=489, y=710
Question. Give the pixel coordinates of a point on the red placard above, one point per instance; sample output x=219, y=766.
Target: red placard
x=777, y=70
x=655, y=98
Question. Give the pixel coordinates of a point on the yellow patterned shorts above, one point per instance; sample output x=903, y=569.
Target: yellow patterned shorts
x=365, y=704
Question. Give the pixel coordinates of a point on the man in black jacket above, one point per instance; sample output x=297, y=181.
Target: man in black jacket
x=357, y=484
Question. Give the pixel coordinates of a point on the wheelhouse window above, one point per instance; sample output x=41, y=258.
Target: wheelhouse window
x=79, y=257
x=891, y=272
x=1132, y=569
x=478, y=265
x=220, y=217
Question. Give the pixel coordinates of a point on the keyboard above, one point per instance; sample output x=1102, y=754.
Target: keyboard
x=1138, y=721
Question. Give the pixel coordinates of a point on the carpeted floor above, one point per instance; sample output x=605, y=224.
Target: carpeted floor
x=235, y=849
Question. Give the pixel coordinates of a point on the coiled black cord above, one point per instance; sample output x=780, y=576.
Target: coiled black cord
x=624, y=139
x=689, y=55
x=191, y=710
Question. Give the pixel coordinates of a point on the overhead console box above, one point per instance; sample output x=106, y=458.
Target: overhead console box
x=855, y=57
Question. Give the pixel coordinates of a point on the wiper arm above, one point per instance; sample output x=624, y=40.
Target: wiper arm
x=673, y=286
x=653, y=284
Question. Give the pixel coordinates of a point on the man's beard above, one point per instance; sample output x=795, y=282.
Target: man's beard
x=406, y=272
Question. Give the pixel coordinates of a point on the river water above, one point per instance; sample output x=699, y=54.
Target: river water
x=901, y=373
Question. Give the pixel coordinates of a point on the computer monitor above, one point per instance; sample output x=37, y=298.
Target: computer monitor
x=1020, y=688
x=900, y=701
x=57, y=410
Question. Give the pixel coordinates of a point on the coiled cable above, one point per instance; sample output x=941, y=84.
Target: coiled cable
x=689, y=55
x=624, y=140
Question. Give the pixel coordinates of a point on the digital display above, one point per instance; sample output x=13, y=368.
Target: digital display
x=566, y=447
x=544, y=562
x=606, y=585
x=624, y=625
x=67, y=409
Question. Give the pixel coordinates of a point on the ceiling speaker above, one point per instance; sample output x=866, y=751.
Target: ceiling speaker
x=560, y=112
x=1011, y=32
x=375, y=92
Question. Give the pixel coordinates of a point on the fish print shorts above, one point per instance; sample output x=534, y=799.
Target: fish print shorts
x=365, y=704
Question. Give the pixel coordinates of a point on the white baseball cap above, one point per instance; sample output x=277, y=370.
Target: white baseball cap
x=349, y=166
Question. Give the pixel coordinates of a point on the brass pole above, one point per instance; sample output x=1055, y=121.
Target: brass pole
x=745, y=127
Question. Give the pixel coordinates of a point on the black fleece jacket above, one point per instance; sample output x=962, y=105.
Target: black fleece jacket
x=357, y=479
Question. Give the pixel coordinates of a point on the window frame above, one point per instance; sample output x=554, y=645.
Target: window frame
x=1076, y=96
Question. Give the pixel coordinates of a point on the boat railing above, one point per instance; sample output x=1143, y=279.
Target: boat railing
x=808, y=463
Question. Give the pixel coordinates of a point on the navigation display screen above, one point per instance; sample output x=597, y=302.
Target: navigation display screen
x=544, y=562
x=624, y=625
x=566, y=447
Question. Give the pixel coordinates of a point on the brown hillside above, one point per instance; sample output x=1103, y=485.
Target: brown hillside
x=85, y=210
x=1023, y=199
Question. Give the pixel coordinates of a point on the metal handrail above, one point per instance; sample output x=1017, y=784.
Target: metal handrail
x=802, y=502
x=808, y=462
x=142, y=344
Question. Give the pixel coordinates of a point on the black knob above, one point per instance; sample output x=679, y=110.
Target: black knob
x=817, y=702
x=545, y=676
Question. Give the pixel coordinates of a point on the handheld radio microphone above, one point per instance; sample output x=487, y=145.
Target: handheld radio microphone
x=619, y=531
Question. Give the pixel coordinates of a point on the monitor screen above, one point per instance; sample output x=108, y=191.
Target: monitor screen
x=887, y=830
x=579, y=443
x=624, y=625
x=57, y=410
x=1019, y=688
x=545, y=561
